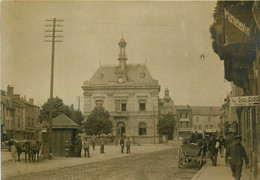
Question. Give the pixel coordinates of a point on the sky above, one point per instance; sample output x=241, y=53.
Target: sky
x=169, y=37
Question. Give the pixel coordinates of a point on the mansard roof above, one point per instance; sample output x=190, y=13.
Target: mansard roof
x=137, y=74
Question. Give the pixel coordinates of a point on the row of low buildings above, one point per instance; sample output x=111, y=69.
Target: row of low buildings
x=19, y=117
x=236, y=40
x=131, y=95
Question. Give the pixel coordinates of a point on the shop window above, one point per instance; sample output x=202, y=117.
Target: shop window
x=142, y=105
x=142, y=128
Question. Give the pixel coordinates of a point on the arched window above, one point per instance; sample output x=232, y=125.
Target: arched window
x=142, y=128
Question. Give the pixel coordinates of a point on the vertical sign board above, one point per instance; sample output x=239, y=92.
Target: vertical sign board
x=239, y=24
x=256, y=13
x=244, y=101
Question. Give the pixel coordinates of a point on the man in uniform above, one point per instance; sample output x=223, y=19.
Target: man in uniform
x=235, y=154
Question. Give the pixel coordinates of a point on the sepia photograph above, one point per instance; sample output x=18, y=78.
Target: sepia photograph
x=135, y=90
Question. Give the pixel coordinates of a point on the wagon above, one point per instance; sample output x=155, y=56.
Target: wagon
x=190, y=154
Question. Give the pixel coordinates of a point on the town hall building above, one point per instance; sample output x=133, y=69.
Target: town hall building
x=129, y=93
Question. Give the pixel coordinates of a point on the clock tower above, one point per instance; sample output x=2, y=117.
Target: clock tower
x=122, y=61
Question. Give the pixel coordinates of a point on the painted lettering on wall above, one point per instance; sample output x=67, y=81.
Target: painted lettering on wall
x=236, y=22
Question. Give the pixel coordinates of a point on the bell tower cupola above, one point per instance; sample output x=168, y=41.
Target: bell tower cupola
x=122, y=55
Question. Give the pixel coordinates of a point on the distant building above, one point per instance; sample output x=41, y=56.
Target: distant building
x=185, y=120
x=19, y=118
x=166, y=106
x=206, y=118
x=129, y=93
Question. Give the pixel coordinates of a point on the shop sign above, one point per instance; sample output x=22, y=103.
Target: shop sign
x=256, y=13
x=244, y=101
x=239, y=24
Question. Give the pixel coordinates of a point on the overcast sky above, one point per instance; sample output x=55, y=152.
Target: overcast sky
x=169, y=36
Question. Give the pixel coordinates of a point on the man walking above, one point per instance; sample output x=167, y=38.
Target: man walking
x=122, y=144
x=128, y=144
x=93, y=141
x=235, y=154
x=213, y=149
x=86, y=147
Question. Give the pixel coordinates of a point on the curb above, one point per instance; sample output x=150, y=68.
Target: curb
x=198, y=173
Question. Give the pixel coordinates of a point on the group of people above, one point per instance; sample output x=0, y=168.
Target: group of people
x=85, y=143
x=234, y=150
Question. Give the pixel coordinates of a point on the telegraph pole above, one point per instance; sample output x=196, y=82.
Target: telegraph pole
x=52, y=37
x=154, y=125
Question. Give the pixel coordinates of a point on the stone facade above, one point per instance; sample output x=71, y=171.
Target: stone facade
x=19, y=117
x=128, y=92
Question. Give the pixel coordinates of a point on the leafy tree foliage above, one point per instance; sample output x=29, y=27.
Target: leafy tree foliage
x=58, y=108
x=166, y=124
x=98, y=122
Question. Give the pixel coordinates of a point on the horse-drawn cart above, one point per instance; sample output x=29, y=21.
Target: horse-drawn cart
x=190, y=154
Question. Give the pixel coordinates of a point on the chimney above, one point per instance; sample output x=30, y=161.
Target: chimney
x=10, y=90
x=31, y=100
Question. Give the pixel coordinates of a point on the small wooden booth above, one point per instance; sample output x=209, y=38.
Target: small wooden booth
x=63, y=129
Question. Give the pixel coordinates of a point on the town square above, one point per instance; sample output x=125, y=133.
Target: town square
x=130, y=90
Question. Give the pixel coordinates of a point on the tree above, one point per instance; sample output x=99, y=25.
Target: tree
x=98, y=122
x=166, y=124
x=58, y=108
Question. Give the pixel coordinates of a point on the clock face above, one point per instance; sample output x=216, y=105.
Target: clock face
x=120, y=80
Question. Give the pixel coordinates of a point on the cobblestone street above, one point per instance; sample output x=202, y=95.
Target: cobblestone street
x=155, y=165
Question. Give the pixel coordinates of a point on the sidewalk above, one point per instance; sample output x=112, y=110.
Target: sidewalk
x=11, y=168
x=220, y=172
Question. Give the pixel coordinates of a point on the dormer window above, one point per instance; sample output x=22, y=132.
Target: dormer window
x=142, y=74
x=101, y=76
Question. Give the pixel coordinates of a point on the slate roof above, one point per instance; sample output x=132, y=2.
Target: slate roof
x=136, y=74
x=201, y=110
x=63, y=121
x=204, y=110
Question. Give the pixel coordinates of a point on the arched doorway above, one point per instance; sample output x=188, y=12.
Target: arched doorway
x=120, y=128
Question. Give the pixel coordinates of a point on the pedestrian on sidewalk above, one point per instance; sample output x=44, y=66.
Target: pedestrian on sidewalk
x=221, y=146
x=102, y=145
x=93, y=141
x=235, y=154
x=86, y=147
x=122, y=144
x=128, y=144
x=213, y=149
x=79, y=145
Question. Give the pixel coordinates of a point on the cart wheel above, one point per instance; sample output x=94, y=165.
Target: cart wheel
x=180, y=159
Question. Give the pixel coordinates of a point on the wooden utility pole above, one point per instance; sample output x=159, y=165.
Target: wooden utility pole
x=52, y=37
x=154, y=125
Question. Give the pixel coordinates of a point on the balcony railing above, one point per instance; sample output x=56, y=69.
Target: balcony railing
x=119, y=114
x=186, y=129
x=184, y=119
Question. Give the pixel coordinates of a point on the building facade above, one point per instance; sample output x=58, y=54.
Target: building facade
x=184, y=123
x=239, y=49
x=129, y=93
x=19, y=117
x=206, y=119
